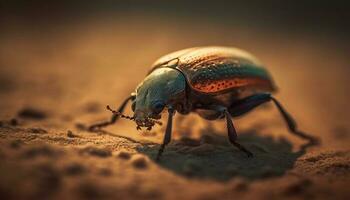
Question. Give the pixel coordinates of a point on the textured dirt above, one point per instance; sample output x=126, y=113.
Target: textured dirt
x=54, y=84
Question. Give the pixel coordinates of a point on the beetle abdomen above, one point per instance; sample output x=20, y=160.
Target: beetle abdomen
x=219, y=69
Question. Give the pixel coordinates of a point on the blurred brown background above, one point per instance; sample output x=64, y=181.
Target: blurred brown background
x=69, y=59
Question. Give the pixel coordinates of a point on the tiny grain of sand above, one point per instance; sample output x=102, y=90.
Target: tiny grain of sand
x=51, y=90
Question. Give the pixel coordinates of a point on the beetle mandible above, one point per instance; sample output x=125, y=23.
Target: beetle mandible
x=215, y=82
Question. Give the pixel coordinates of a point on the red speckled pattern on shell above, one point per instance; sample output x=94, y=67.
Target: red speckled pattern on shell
x=218, y=69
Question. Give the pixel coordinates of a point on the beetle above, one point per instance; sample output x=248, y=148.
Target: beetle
x=215, y=82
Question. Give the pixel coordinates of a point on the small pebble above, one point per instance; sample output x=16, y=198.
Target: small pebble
x=139, y=162
x=74, y=169
x=71, y=134
x=37, y=130
x=13, y=122
x=124, y=155
x=32, y=113
x=99, y=152
x=80, y=126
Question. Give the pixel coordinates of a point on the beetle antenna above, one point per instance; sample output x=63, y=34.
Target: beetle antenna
x=120, y=114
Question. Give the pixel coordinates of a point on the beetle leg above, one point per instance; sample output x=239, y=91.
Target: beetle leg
x=292, y=126
x=247, y=104
x=114, y=117
x=167, y=136
x=243, y=106
x=232, y=134
x=231, y=131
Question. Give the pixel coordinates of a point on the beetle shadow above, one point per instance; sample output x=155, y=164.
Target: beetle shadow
x=213, y=157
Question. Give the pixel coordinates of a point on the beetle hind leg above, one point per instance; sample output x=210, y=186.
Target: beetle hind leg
x=247, y=104
x=292, y=126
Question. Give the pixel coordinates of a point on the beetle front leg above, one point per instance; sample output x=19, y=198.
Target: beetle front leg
x=114, y=117
x=167, y=136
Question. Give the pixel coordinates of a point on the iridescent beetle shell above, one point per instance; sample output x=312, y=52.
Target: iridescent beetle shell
x=216, y=70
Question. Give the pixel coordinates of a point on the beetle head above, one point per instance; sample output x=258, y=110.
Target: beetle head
x=156, y=92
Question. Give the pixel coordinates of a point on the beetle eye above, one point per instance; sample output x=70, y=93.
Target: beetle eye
x=158, y=107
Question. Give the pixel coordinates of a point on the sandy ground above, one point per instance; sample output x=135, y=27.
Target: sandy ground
x=55, y=82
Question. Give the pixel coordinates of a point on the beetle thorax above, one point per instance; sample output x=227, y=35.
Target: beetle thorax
x=160, y=89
